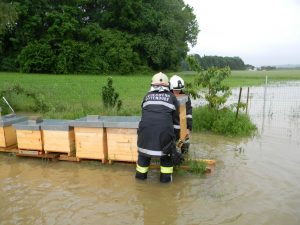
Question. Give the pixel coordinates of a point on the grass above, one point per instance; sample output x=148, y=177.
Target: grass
x=222, y=122
x=197, y=167
x=256, y=78
x=74, y=96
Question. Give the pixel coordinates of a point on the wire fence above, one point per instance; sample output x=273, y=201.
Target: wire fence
x=271, y=106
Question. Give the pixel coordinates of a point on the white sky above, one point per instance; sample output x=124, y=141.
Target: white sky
x=261, y=32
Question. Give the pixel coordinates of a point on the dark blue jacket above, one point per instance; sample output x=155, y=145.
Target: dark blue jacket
x=159, y=124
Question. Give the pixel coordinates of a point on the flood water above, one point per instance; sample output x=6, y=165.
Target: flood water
x=256, y=180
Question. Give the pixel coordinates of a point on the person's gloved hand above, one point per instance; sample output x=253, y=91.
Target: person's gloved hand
x=185, y=146
x=177, y=157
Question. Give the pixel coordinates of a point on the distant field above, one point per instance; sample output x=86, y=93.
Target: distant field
x=73, y=96
x=254, y=78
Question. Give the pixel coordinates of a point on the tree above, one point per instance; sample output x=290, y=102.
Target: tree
x=212, y=79
x=110, y=97
x=8, y=15
x=234, y=63
x=88, y=36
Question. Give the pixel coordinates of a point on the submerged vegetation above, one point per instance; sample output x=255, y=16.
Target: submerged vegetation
x=196, y=166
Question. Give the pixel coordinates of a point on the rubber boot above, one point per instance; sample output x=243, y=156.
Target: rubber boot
x=165, y=177
x=141, y=176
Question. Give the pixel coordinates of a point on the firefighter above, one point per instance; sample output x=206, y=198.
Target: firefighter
x=177, y=86
x=158, y=130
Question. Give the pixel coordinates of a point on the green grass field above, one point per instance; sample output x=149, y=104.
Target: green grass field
x=74, y=96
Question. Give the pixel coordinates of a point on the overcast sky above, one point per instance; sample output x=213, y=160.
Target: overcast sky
x=261, y=32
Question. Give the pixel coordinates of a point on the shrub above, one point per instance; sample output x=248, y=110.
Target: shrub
x=109, y=96
x=9, y=92
x=36, y=57
x=222, y=122
x=73, y=57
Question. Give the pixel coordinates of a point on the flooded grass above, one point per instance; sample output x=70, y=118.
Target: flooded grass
x=197, y=167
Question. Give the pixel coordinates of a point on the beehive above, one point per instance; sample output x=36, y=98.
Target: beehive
x=8, y=135
x=90, y=138
x=29, y=134
x=58, y=136
x=121, y=134
x=182, y=99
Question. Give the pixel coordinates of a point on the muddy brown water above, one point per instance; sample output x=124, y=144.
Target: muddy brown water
x=256, y=180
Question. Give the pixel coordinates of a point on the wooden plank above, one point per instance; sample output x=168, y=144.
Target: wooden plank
x=43, y=155
x=29, y=152
x=182, y=119
x=2, y=137
x=10, y=135
x=208, y=170
x=63, y=157
x=183, y=124
x=9, y=149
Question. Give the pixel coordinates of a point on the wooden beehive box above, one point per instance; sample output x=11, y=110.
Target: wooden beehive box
x=8, y=136
x=29, y=134
x=121, y=134
x=90, y=138
x=182, y=99
x=58, y=136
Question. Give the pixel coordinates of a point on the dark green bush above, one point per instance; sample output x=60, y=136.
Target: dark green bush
x=110, y=97
x=73, y=57
x=8, y=63
x=36, y=57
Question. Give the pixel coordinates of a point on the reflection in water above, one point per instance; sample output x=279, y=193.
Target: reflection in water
x=256, y=181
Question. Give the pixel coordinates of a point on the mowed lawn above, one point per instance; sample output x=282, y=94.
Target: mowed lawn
x=74, y=96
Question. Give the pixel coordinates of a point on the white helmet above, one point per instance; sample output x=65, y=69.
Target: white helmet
x=176, y=83
x=160, y=79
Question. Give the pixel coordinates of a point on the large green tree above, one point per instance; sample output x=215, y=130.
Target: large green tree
x=96, y=36
x=8, y=14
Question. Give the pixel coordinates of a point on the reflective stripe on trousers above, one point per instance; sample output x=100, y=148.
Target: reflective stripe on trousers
x=142, y=169
x=164, y=169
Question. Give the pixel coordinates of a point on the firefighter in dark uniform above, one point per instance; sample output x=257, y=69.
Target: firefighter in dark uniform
x=158, y=130
x=177, y=86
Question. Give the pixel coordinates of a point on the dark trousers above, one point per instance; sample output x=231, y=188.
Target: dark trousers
x=166, y=168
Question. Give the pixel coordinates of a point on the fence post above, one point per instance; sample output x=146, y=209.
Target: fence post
x=264, y=106
x=247, y=100
x=238, y=105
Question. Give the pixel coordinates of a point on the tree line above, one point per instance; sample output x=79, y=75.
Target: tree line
x=94, y=36
x=205, y=62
